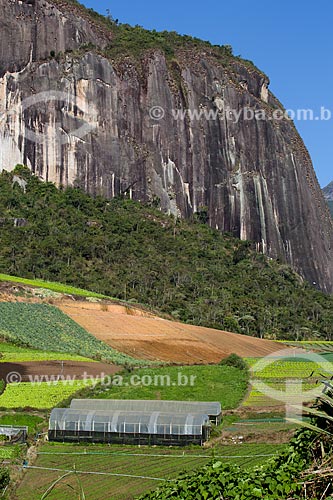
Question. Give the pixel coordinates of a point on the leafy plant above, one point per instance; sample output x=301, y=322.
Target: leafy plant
x=301, y=471
x=277, y=479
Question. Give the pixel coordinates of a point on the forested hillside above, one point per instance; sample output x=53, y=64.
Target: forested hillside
x=132, y=251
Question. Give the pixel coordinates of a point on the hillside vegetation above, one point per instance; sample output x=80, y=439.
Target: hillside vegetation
x=132, y=251
x=135, y=41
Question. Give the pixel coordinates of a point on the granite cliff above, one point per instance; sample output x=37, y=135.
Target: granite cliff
x=328, y=192
x=79, y=110
x=328, y=195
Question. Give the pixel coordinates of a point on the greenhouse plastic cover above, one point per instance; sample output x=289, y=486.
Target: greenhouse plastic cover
x=67, y=419
x=10, y=431
x=206, y=408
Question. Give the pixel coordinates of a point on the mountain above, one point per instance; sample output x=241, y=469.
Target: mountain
x=328, y=192
x=87, y=102
x=132, y=251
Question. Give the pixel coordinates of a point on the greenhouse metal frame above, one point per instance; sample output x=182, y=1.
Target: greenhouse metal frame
x=14, y=434
x=152, y=428
x=212, y=409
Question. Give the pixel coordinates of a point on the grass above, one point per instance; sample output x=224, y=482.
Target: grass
x=209, y=383
x=260, y=427
x=11, y=353
x=33, y=422
x=125, y=460
x=41, y=396
x=54, y=287
x=44, y=326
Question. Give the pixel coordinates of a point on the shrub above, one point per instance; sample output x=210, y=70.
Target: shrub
x=236, y=361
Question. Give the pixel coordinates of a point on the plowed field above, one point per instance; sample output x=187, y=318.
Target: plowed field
x=144, y=336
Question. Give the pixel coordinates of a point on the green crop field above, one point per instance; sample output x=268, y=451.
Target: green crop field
x=290, y=377
x=209, y=383
x=289, y=393
x=161, y=463
x=311, y=345
x=43, y=395
x=286, y=368
x=9, y=452
x=45, y=327
x=11, y=353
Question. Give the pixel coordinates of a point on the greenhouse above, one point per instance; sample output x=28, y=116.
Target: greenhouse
x=13, y=434
x=116, y=426
x=212, y=409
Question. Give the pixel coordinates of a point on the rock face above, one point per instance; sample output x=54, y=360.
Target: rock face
x=328, y=192
x=328, y=195
x=101, y=129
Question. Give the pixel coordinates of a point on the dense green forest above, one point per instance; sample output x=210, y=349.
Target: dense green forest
x=134, y=252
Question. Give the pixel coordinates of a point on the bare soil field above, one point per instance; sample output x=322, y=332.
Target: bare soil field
x=76, y=369
x=145, y=336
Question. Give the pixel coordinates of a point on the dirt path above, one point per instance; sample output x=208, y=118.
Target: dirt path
x=72, y=369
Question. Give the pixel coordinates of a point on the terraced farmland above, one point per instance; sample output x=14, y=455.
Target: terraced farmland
x=289, y=392
x=99, y=466
x=45, y=327
x=286, y=381
x=286, y=368
x=311, y=345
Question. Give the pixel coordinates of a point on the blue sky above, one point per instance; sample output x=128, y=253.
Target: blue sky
x=288, y=39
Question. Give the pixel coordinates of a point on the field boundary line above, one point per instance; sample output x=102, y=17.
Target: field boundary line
x=97, y=473
x=154, y=455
